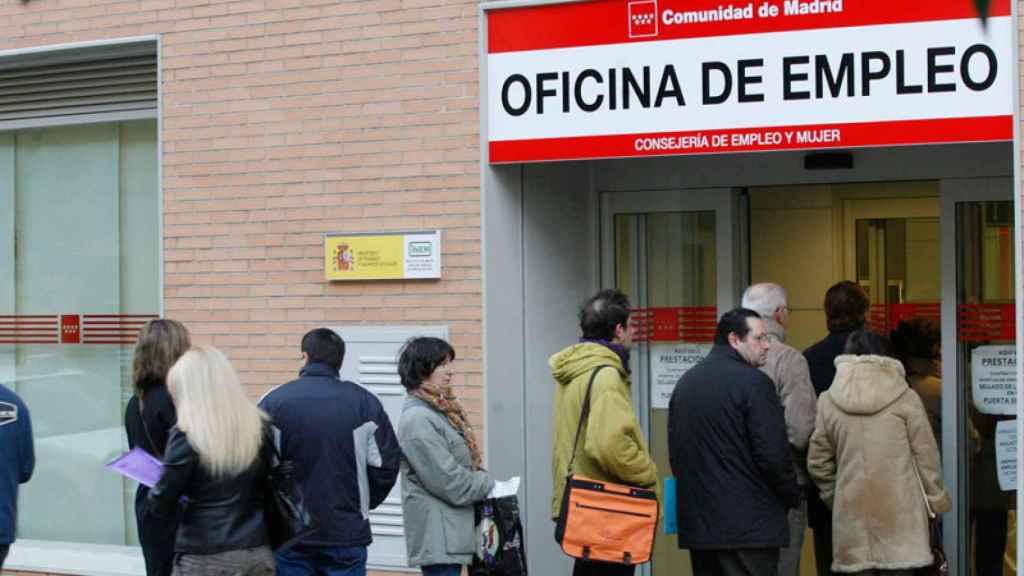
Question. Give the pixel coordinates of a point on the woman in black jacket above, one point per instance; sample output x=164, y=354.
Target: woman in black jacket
x=148, y=420
x=217, y=463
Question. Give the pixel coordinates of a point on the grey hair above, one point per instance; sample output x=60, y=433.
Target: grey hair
x=765, y=298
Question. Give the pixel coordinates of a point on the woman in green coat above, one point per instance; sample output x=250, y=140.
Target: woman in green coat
x=441, y=462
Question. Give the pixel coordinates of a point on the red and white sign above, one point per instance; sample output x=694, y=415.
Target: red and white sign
x=604, y=79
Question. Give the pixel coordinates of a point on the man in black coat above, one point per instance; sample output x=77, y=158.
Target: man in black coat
x=846, y=307
x=730, y=456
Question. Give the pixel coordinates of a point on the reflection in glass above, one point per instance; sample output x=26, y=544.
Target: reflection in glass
x=678, y=252
x=985, y=263
x=86, y=224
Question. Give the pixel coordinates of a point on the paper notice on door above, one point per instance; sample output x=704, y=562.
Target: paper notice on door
x=994, y=379
x=669, y=361
x=1006, y=454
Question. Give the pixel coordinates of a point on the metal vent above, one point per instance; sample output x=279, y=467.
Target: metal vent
x=79, y=83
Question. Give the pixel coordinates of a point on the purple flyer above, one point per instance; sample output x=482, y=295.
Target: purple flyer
x=138, y=465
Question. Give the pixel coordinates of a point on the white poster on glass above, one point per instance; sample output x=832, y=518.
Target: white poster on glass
x=669, y=361
x=1006, y=454
x=994, y=379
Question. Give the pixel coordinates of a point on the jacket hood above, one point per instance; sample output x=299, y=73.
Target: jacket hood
x=580, y=359
x=867, y=384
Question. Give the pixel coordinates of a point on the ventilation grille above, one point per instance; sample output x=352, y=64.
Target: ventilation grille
x=105, y=84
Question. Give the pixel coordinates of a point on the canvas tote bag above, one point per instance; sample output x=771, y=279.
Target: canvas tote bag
x=603, y=521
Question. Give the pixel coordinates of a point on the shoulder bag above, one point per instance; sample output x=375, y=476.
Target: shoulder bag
x=603, y=521
x=288, y=520
x=940, y=565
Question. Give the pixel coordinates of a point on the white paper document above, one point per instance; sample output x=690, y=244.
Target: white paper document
x=502, y=488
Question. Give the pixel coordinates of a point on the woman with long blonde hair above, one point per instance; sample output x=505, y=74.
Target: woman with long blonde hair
x=148, y=419
x=217, y=460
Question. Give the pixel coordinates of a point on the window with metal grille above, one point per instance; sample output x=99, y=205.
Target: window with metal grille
x=81, y=84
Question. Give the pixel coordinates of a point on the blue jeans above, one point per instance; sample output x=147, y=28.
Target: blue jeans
x=442, y=570
x=321, y=561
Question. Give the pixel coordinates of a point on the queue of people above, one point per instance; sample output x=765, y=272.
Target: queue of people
x=763, y=440
x=207, y=512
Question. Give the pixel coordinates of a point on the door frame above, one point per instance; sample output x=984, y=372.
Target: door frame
x=725, y=204
x=955, y=470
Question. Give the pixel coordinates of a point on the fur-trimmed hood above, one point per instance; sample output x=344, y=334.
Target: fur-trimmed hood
x=867, y=384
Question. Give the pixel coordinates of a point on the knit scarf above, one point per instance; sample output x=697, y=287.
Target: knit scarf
x=619, y=349
x=444, y=400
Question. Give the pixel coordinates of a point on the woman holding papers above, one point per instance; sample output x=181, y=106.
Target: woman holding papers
x=216, y=459
x=148, y=420
x=441, y=466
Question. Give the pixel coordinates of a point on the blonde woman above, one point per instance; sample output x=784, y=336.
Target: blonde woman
x=217, y=461
x=148, y=420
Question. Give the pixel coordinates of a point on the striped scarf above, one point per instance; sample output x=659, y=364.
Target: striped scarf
x=444, y=400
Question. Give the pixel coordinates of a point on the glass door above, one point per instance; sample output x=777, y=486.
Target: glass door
x=979, y=422
x=672, y=253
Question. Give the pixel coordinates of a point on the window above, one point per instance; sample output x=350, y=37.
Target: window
x=80, y=207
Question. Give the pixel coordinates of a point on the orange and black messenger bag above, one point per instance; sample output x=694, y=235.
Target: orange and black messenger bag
x=602, y=521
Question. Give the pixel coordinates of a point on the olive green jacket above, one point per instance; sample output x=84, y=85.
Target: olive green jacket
x=612, y=446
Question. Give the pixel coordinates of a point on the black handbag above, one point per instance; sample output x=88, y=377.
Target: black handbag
x=501, y=550
x=288, y=520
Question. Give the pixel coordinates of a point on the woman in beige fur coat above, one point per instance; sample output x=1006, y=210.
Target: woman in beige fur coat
x=875, y=461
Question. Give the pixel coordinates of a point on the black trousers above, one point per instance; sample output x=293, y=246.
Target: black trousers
x=989, y=541
x=823, y=549
x=4, y=548
x=156, y=536
x=591, y=568
x=752, y=562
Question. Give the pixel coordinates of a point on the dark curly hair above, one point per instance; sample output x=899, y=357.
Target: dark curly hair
x=915, y=338
x=863, y=342
x=419, y=358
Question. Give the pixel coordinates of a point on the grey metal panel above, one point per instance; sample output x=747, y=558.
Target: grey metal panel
x=503, y=332
x=558, y=240
x=786, y=168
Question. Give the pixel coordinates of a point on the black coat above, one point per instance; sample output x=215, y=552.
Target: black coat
x=148, y=425
x=730, y=456
x=821, y=358
x=222, y=513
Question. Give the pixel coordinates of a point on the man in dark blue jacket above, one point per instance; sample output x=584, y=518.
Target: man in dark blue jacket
x=346, y=458
x=17, y=460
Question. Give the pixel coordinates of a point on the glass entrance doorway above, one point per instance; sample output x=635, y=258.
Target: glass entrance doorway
x=673, y=255
x=939, y=252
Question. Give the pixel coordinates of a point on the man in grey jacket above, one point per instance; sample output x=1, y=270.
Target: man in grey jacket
x=787, y=368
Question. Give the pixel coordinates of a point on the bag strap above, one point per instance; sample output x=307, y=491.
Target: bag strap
x=272, y=436
x=927, y=505
x=584, y=413
x=145, y=429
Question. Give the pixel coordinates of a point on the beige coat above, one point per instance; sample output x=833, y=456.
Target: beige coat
x=871, y=439
x=787, y=368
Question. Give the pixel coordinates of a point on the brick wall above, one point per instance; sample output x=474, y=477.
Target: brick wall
x=284, y=120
